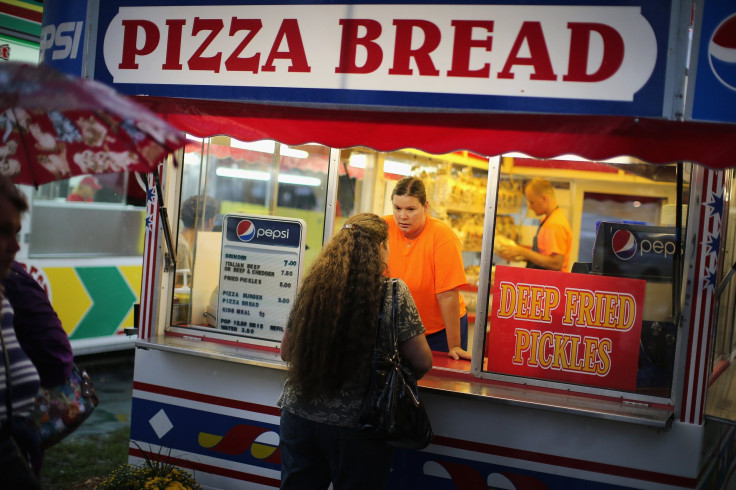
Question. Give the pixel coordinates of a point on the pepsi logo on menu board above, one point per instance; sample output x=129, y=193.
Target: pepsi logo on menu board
x=623, y=244
x=246, y=230
x=261, y=231
x=722, y=52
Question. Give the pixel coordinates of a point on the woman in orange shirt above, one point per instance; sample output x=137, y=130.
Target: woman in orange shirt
x=426, y=254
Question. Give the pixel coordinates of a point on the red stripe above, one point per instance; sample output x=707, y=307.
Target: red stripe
x=212, y=400
x=565, y=462
x=206, y=468
x=691, y=364
x=26, y=14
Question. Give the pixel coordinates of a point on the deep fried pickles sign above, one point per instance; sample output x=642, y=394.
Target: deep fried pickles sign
x=575, y=328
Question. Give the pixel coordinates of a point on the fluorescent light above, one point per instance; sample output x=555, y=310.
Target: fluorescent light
x=358, y=160
x=293, y=153
x=264, y=146
x=239, y=173
x=268, y=146
x=191, y=159
x=394, y=167
x=299, y=180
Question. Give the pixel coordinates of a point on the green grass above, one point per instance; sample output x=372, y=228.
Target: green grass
x=81, y=462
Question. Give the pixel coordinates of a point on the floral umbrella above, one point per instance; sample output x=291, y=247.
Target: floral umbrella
x=54, y=126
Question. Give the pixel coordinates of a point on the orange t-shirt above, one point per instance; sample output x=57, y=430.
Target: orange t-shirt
x=555, y=237
x=431, y=263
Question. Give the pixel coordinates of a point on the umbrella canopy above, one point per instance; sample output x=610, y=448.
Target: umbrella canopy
x=54, y=126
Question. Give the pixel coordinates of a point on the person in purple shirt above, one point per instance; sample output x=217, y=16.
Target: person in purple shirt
x=38, y=327
x=40, y=334
x=19, y=380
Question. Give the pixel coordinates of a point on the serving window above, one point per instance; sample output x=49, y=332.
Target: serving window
x=606, y=323
x=609, y=322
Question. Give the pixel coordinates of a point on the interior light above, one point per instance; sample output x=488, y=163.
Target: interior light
x=239, y=173
x=398, y=168
x=268, y=146
x=299, y=180
x=191, y=159
x=358, y=160
x=293, y=152
x=264, y=146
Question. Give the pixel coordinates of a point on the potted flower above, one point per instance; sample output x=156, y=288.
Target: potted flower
x=150, y=475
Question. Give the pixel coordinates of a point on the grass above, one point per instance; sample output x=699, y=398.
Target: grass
x=82, y=462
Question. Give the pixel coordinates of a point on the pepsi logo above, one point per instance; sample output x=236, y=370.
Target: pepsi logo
x=246, y=230
x=623, y=244
x=722, y=52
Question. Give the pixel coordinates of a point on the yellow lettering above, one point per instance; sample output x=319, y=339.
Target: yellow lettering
x=572, y=302
x=609, y=309
x=551, y=301
x=522, y=307
x=604, y=351
x=537, y=303
x=561, y=361
x=508, y=300
x=547, y=341
x=627, y=312
x=523, y=342
x=589, y=361
x=577, y=363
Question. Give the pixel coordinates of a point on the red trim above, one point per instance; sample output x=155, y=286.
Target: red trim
x=22, y=13
x=537, y=135
x=206, y=468
x=561, y=461
x=211, y=399
x=231, y=343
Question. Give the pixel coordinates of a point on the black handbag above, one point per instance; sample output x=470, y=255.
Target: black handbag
x=392, y=409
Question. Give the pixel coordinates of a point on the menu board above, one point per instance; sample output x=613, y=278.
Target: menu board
x=260, y=269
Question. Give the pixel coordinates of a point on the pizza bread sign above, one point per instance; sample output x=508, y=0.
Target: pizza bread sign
x=574, y=328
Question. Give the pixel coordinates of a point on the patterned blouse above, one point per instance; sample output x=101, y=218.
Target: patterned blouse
x=343, y=408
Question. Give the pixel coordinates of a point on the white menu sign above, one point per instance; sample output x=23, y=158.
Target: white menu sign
x=260, y=269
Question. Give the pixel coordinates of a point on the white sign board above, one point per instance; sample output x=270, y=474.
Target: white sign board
x=260, y=269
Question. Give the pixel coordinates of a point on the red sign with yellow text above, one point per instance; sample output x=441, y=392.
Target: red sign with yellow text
x=575, y=328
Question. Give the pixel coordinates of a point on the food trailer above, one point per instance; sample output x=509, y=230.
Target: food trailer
x=616, y=374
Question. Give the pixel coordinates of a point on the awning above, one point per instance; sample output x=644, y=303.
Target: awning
x=538, y=135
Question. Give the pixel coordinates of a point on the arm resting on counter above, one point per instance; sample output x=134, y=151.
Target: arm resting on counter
x=416, y=351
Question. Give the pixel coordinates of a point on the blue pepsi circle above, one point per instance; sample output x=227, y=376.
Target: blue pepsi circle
x=623, y=244
x=722, y=52
x=246, y=230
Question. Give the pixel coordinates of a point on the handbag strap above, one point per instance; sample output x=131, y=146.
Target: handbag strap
x=393, y=329
x=394, y=335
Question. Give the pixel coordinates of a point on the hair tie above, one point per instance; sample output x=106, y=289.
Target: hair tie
x=347, y=225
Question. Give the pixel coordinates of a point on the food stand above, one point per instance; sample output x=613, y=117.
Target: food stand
x=306, y=113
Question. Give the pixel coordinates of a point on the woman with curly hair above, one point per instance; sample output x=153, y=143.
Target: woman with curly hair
x=328, y=345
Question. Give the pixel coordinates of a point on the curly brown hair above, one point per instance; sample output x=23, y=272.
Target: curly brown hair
x=332, y=325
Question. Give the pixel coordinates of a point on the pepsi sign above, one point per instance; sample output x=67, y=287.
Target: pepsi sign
x=262, y=231
x=635, y=251
x=712, y=94
x=63, y=35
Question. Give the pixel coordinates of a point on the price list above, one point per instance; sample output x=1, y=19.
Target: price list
x=258, y=276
